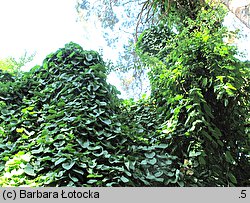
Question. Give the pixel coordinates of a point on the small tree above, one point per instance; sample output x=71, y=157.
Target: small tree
x=13, y=66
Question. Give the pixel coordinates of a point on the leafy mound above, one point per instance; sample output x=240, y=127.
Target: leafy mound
x=64, y=117
x=61, y=125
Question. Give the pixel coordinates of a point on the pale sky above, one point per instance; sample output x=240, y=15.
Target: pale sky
x=43, y=26
x=243, y=43
x=40, y=26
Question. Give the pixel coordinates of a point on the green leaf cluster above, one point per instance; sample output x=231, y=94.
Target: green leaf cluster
x=202, y=91
x=62, y=124
x=68, y=120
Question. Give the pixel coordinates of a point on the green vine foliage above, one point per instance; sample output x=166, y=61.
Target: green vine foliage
x=62, y=124
x=203, y=90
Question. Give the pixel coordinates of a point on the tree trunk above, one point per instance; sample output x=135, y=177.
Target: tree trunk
x=241, y=9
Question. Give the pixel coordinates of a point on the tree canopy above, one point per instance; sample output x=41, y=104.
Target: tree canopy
x=126, y=20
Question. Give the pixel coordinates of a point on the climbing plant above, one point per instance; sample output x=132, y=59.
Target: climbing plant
x=62, y=124
x=204, y=91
